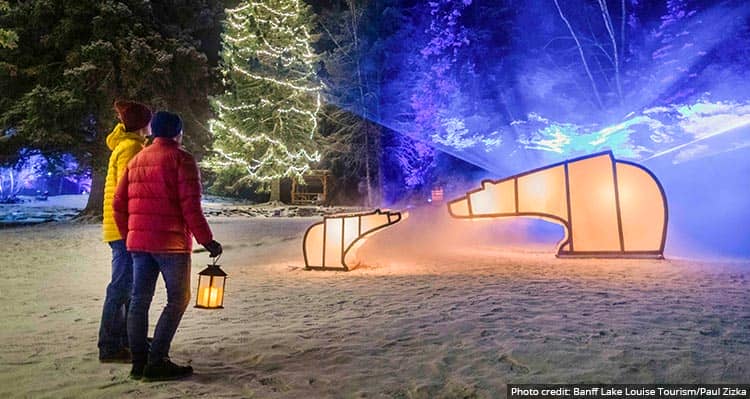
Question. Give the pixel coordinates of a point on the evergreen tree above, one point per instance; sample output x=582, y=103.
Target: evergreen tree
x=268, y=116
x=75, y=57
x=8, y=38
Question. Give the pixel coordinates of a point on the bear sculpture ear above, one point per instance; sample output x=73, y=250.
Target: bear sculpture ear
x=487, y=183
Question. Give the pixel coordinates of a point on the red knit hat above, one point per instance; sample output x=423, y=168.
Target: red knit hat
x=120, y=105
x=135, y=115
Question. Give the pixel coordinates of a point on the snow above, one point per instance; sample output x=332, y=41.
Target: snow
x=65, y=207
x=217, y=206
x=31, y=210
x=60, y=201
x=438, y=308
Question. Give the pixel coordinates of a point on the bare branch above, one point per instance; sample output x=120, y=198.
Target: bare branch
x=610, y=29
x=583, y=56
x=623, y=17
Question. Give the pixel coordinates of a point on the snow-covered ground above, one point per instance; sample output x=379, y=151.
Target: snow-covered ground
x=31, y=210
x=440, y=308
x=65, y=207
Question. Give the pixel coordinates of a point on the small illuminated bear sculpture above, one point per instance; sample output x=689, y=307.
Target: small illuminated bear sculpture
x=607, y=207
x=333, y=243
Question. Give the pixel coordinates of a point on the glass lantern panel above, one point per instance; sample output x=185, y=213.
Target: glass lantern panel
x=210, y=291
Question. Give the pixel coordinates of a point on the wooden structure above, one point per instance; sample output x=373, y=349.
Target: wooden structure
x=436, y=195
x=315, y=189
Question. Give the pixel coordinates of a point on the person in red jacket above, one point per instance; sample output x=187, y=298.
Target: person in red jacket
x=158, y=211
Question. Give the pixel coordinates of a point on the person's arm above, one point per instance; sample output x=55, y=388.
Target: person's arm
x=189, y=191
x=120, y=205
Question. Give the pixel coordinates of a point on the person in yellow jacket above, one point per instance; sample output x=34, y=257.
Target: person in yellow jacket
x=125, y=141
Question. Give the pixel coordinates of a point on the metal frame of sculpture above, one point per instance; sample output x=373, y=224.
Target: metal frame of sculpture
x=335, y=237
x=600, y=194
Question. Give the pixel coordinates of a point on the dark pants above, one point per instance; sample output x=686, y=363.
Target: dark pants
x=113, y=333
x=175, y=269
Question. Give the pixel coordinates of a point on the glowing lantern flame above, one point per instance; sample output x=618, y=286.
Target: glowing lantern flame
x=211, y=283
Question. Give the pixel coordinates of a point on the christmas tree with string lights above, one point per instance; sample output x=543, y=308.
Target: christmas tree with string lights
x=267, y=118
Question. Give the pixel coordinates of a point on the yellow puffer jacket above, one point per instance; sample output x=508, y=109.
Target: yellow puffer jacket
x=124, y=146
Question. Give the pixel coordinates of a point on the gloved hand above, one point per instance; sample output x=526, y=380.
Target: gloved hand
x=213, y=248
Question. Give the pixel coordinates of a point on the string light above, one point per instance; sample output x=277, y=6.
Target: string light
x=240, y=39
x=262, y=137
x=237, y=14
x=276, y=81
x=312, y=115
x=257, y=133
x=273, y=11
x=251, y=169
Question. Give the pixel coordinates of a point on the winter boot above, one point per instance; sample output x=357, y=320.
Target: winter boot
x=164, y=369
x=136, y=372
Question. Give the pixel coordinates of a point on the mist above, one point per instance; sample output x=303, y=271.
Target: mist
x=510, y=87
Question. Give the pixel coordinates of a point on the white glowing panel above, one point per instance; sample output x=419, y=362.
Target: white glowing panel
x=494, y=198
x=543, y=192
x=333, y=243
x=593, y=207
x=608, y=208
x=638, y=203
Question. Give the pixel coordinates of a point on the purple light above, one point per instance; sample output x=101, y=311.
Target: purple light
x=34, y=174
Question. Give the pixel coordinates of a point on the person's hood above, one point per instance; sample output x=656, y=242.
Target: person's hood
x=119, y=134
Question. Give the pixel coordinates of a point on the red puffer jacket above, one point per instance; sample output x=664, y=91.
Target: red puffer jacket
x=158, y=201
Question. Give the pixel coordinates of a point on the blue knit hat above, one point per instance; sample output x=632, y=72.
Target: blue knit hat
x=166, y=124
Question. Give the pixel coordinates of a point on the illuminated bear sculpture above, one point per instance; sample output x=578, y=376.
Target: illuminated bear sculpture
x=333, y=243
x=608, y=208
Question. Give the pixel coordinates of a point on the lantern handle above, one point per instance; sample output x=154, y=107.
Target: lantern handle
x=216, y=259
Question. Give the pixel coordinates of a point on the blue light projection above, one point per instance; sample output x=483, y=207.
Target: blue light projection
x=678, y=130
x=507, y=101
x=511, y=87
x=35, y=174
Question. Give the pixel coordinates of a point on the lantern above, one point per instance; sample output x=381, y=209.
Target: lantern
x=608, y=207
x=211, y=283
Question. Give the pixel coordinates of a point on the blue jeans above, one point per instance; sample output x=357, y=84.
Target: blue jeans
x=113, y=333
x=175, y=269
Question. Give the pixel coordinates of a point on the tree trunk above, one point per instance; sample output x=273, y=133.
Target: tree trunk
x=367, y=169
x=93, y=213
x=363, y=106
x=12, y=184
x=380, y=192
x=275, y=190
